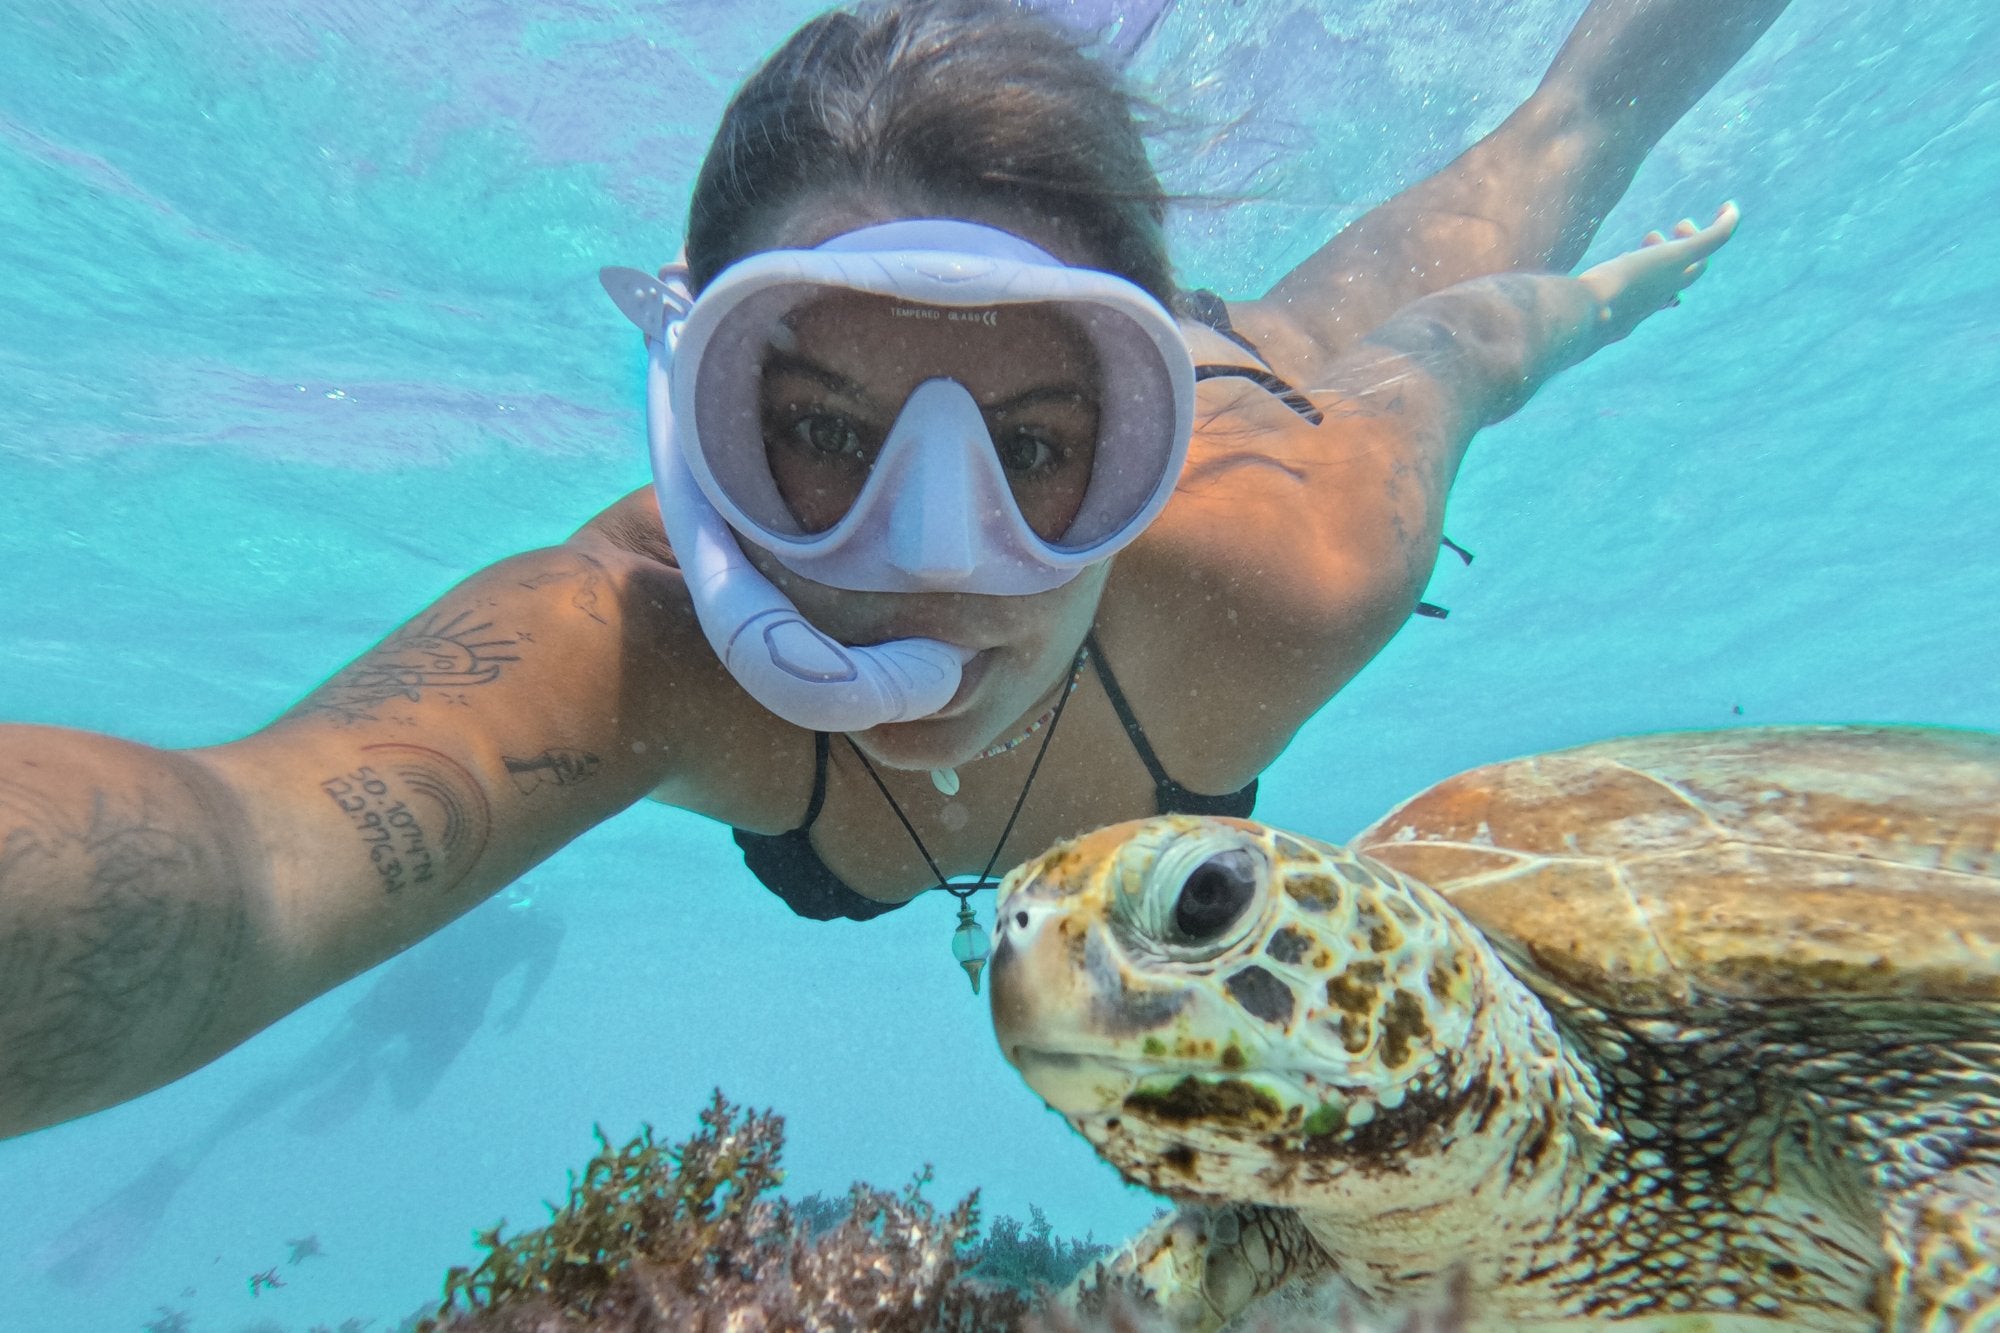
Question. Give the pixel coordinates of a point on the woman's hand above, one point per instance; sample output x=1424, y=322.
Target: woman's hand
x=1642, y=282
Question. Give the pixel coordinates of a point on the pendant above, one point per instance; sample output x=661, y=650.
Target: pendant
x=969, y=944
x=946, y=781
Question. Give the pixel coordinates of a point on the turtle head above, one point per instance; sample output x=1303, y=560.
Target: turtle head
x=1228, y=1011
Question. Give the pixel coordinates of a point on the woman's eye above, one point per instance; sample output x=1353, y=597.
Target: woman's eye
x=829, y=435
x=1024, y=451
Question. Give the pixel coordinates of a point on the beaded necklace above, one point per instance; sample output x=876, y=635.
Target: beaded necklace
x=946, y=779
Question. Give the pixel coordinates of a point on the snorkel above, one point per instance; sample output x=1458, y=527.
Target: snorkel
x=935, y=514
x=785, y=662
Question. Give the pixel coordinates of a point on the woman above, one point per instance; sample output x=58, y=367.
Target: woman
x=1098, y=590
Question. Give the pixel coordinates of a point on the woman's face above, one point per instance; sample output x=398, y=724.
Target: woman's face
x=832, y=387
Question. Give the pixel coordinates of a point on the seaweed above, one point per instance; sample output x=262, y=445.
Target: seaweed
x=1026, y=1256
x=1032, y=1257
x=684, y=1237
x=816, y=1213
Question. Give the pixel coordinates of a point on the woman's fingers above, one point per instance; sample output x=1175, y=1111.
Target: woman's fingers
x=1708, y=239
x=1640, y=282
x=1711, y=238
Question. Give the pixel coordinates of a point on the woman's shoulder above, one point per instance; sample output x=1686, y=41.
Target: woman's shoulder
x=1260, y=334
x=1274, y=572
x=630, y=525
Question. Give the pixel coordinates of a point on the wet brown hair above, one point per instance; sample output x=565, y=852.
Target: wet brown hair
x=939, y=106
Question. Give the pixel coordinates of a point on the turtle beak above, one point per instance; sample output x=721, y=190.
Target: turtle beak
x=1062, y=1008
x=1039, y=995
x=1031, y=971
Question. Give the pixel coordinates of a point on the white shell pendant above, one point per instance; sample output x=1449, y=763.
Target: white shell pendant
x=945, y=780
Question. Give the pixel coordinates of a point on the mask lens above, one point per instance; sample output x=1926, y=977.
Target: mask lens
x=1045, y=435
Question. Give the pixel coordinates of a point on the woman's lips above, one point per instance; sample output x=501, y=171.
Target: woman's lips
x=969, y=677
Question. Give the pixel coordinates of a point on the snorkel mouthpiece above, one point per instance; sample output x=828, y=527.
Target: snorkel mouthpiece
x=788, y=664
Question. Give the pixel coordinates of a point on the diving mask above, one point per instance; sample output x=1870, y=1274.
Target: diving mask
x=756, y=432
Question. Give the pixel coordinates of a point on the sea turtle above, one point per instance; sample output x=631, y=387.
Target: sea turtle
x=1684, y=1031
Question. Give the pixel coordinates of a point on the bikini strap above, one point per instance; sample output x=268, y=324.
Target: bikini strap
x=1213, y=311
x=1270, y=384
x=1122, y=707
x=822, y=746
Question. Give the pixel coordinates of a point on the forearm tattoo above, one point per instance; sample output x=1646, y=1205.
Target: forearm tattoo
x=422, y=817
x=126, y=972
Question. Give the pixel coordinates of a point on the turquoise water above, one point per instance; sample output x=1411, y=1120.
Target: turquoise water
x=299, y=324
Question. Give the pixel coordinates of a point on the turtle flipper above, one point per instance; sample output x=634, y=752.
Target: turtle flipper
x=1200, y=1266
x=1943, y=1241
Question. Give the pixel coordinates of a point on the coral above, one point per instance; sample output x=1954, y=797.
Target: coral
x=684, y=1238
x=168, y=1321
x=1031, y=1257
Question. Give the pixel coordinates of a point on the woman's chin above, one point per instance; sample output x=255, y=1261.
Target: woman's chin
x=927, y=742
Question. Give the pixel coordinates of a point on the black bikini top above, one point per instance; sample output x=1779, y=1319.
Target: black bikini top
x=791, y=867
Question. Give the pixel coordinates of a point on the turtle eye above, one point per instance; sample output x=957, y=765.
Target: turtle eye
x=1215, y=895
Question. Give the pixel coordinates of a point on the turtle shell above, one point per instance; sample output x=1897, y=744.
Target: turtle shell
x=1649, y=873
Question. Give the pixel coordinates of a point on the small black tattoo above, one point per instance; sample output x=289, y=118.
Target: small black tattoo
x=551, y=768
x=585, y=597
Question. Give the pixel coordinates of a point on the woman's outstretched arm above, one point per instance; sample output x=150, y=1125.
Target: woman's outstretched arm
x=1526, y=198
x=158, y=907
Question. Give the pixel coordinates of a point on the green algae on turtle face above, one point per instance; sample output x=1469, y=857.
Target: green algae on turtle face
x=1683, y=1027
